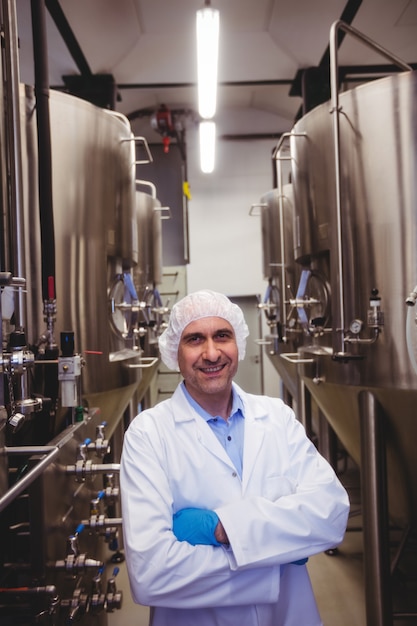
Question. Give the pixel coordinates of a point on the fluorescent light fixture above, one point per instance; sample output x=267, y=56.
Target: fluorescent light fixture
x=207, y=59
x=207, y=146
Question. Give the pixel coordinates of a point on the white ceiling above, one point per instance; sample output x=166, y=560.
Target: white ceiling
x=151, y=44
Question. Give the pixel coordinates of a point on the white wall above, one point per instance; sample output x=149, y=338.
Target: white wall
x=225, y=242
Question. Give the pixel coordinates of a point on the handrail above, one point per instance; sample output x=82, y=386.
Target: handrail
x=294, y=357
x=12, y=493
x=147, y=183
x=278, y=158
x=161, y=209
x=334, y=88
x=145, y=362
x=143, y=141
x=257, y=205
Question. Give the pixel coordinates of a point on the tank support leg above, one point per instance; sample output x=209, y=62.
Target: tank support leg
x=304, y=408
x=375, y=512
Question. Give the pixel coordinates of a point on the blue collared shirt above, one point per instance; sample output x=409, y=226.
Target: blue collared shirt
x=230, y=433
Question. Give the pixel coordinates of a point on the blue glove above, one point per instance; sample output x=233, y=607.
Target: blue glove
x=196, y=526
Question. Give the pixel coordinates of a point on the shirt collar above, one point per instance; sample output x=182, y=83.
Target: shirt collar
x=237, y=404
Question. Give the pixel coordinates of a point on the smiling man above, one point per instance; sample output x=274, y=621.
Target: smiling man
x=224, y=497
x=208, y=359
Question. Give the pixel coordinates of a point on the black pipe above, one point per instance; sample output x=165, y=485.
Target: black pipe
x=44, y=149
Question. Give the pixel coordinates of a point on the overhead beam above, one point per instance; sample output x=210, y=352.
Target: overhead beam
x=66, y=32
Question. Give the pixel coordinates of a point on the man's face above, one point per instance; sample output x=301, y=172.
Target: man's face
x=208, y=357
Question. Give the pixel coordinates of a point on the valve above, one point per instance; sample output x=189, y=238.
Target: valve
x=74, y=564
x=112, y=490
x=101, y=444
x=69, y=371
x=375, y=320
x=82, y=469
x=118, y=556
x=98, y=598
x=83, y=449
x=375, y=315
x=113, y=596
x=77, y=605
x=75, y=561
x=412, y=297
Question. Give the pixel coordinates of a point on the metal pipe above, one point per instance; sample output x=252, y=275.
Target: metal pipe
x=36, y=471
x=102, y=521
x=334, y=88
x=378, y=594
x=31, y=450
x=92, y=468
x=14, y=150
x=44, y=149
x=147, y=183
x=281, y=234
x=278, y=159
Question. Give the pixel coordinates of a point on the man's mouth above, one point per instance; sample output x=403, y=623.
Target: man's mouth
x=212, y=370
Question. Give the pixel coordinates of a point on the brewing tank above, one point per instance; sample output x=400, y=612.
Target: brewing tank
x=276, y=210
x=372, y=273
x=148, y=270
x=93, y=188
x=378, y=220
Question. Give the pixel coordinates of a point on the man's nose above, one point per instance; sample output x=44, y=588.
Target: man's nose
x=211, y=351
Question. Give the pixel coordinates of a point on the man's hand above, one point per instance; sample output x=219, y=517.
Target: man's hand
x=220, y=534
x=197, y=526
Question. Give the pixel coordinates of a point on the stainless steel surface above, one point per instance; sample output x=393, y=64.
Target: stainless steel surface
x=48, y=454
x=378, y=220
x=334, y=80
x=47, y=491
x=363, y=215
x=40, y=524
x=13, y=192
x=93, y=199
x=375, y=511
x=148, y=271
x=276, y=209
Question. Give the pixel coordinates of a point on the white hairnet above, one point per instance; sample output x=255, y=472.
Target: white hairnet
x=204, y=303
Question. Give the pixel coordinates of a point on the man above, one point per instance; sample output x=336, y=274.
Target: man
x=223, y=496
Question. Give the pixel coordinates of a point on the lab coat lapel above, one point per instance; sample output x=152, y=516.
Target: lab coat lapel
x=209, y=440
x=254, y=438
x=205, y=435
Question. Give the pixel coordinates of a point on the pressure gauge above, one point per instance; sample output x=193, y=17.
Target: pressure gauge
x=356, y=327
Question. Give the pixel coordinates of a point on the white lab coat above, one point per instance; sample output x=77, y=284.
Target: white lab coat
x=288, y=505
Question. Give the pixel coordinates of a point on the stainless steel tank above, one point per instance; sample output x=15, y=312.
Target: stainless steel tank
x=93, y=175
x=276, y=210
x=148, y=271
x=277, y=217
x=379, y=252
x=71, y=480
x=355, y=239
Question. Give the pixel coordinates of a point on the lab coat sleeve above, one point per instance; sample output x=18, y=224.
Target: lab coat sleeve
x=311, y=518
x=162, y=570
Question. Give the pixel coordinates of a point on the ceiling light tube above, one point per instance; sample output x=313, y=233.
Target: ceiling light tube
x=207, y=146
x=207, y=60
